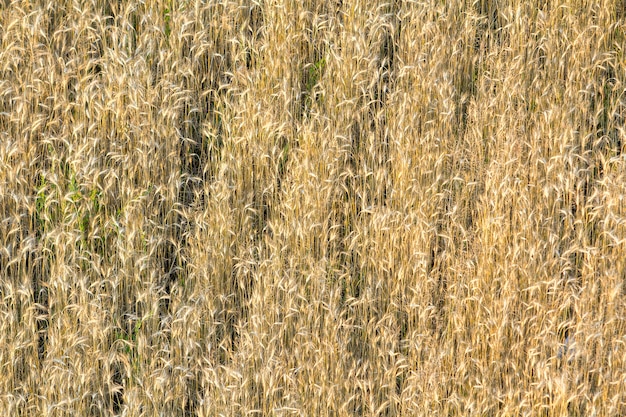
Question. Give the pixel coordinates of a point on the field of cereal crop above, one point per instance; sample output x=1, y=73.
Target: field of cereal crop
x=312, y=208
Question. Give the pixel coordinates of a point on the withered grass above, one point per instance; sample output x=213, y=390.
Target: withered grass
x=316, y=208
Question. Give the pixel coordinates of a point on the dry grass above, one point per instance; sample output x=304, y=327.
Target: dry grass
x=320, y=208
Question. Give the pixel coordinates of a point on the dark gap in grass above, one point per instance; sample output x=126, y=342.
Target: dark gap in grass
x=135, y=22
x=115, y=397
x=613, y=113
x=96, y=52
x=466, y=85
x=602, y=144
x=169, y=258
x=313, y=49
x=110, y=9
x=340, y=222
x=40, y=274
x=358, y=405
x=400, y=383
x=436, y=265
x=37, y=263
x=490, y=9
x=56, y=19
x=192, y=154
x=468, y=78
x=283, y=159
x=311, y=75
x=210, y=119
x=231, y=311
x=357, y=280
x=345, y=219
x=386, y=61
x=403, y=342
x=353, y=162
x=620, y=9
x=211, y=69
x=356, y=139
x=194, y=393
x=71, y=88
x=213, y=150
x=402, y=320
x=386, y=67
x=224, y=333
x=192, y=159
x=127, y=319
x=258, y=393
x=255, y=22
x=577, y=406
x=260, y=209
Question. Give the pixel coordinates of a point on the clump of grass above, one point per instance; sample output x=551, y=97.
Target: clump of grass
x=312, y=208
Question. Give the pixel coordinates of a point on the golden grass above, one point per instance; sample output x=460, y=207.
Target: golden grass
x=320, y=208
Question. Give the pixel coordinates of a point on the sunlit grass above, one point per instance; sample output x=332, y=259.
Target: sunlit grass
x=341, y=208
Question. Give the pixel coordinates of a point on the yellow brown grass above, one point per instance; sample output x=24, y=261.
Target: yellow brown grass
x=342, y=208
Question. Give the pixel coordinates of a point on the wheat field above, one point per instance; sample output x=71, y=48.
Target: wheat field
x=312, y=208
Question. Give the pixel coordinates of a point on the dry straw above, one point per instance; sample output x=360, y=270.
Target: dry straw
x=320, y=208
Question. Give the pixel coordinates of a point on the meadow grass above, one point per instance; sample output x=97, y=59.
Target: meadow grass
x=319, y=208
